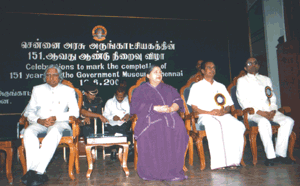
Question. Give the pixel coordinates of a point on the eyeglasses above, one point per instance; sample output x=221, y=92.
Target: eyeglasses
x=252, y=63
x=52, y=75
x=210, y=68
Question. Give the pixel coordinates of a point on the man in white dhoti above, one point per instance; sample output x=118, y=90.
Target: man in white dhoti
x=50, y=108
x=255, y=90
x=225, y=134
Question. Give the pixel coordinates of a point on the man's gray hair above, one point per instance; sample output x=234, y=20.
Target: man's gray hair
x=58, y=70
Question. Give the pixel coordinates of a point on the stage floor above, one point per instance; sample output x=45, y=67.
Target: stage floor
x=106, y=172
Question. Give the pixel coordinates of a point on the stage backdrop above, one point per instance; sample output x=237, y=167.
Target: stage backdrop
x=103, y=50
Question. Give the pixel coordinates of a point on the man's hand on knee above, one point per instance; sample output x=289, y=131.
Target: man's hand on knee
x=268, y=115
x=47, y=122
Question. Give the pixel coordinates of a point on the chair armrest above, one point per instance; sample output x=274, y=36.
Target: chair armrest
x=75, y=126
x=245, y=113
x=285, y=110
x=248, y=111
x=133, y=120
x=193, y=116
x=188, y=116
x=23, y=121
x=237, y=113
x=181, y=114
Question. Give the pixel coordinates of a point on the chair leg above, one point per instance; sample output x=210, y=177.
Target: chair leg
x=184, y=167
x=2, y=161
x=71, y=161
x=65, y=154
x=191, y=151
x=9, y=155
x=21, y=152
x=135, y=155
x=242, y=161
x=291, y=145
x=200, y=149
x=252, y=137
x=77, y=166
x=103, y=151
x=96, y=153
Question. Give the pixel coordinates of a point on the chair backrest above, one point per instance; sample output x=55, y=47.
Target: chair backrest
x=234, y=98
x=185, y=91
x=139, y=82
x=232, y=90
x=78, y=95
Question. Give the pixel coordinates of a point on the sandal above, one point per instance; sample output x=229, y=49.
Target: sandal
x=233, y=168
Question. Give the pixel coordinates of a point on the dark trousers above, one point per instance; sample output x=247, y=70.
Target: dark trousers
x=86, y=130
x=123, y=129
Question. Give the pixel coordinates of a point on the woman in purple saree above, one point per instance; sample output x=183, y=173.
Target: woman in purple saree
x=160, y=132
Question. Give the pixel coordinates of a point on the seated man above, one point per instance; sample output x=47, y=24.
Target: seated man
x=255, y=90
x=225, y=134
x=91, y=108
x=116, y=110
x=50, y=108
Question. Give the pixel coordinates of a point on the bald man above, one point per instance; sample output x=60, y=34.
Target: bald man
x=256, y=91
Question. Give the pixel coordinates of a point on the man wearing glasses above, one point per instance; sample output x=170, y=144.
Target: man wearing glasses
x=91, y=108
x=255, y=90
x=49, y=110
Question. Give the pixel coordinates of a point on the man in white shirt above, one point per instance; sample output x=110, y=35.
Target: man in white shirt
x=225, y=134
x=255, y=90
x=50, y=108
x=116, y=111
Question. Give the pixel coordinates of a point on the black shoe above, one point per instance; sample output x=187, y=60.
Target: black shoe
x=285, y=160
x=113, y=156
x=28, y=176
x=39, y=179
x=270, y=162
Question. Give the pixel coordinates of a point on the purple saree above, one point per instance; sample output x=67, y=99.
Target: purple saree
x=161, y=137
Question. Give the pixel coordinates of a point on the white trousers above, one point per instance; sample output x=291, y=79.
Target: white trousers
x=225, y=136
x=265, y=131
x=37, y=158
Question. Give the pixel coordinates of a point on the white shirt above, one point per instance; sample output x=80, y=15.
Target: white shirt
x=47, y=101
x=114, y=108
x=251, y=93
x=202, y=95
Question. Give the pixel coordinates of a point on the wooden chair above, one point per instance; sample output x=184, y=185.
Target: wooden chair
x=190, y=120
x=134, y=118
x=8, y=148
x=8, y=140
x=69, y=137
x=251, y=126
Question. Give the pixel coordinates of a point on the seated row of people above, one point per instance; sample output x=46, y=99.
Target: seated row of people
x=253, y=91
x=160, y=132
